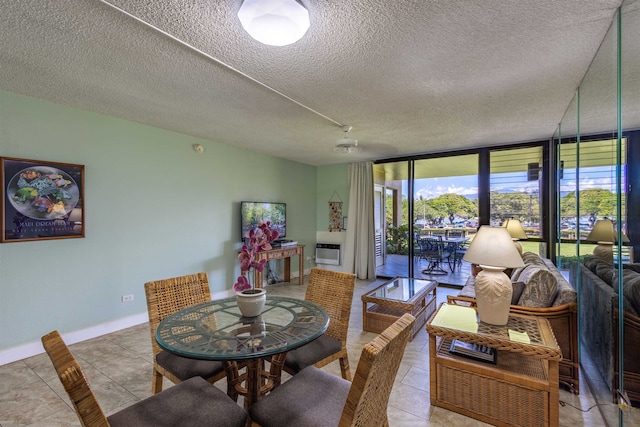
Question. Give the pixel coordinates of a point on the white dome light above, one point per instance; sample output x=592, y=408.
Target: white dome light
x=274, y=22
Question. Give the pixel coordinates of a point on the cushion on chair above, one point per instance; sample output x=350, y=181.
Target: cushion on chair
x=312, y=352
x=184, y=367
x=194, y=402
x=312, y=405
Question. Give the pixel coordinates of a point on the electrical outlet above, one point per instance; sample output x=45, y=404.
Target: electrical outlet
x=127, y=298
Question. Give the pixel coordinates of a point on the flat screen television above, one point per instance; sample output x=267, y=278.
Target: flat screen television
x=251, y=213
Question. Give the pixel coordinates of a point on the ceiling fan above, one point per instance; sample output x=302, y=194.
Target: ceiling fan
x=346, y=144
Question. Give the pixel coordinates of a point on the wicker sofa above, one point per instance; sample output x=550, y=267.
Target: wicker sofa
x=557, y=303
x=599, y=320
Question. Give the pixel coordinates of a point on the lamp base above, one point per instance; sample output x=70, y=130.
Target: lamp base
x=493, y=295
x=604, y=251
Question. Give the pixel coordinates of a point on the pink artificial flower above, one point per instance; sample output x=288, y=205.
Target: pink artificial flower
x=259, y=265
x=259, y=240
x=241, y=284
x=246, y=258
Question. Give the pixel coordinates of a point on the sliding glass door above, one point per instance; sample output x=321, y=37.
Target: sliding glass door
x=427, y=197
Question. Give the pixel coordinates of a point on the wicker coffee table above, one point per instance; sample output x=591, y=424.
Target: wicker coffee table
x=389, y=301
x=520, y=389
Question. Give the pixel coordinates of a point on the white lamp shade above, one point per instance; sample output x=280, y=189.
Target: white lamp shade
x=274, y=22
x=514, y=227
x=493, y=247
x=603, y=231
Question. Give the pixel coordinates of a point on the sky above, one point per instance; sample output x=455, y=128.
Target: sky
x=429, y=188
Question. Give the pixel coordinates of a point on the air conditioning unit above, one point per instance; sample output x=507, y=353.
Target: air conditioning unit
x=328, y=253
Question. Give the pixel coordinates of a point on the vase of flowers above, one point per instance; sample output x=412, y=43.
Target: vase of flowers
x=251, y=300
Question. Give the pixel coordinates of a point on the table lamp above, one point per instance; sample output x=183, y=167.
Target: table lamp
x=514, y=227
x=493, y=249
x=605, y=235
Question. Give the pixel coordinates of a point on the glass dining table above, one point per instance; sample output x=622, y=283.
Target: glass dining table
x=216, y=330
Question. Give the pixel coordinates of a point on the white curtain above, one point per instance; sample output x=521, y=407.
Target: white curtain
x=360, y=255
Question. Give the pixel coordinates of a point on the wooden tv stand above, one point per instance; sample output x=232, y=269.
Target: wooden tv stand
x=279, y=253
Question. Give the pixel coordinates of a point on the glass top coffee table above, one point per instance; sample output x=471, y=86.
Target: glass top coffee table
x=385, y=304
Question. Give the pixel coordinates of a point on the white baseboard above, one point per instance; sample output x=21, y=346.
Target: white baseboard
x=34, y=348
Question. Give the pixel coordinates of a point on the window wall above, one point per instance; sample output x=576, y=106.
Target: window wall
x=459, y=191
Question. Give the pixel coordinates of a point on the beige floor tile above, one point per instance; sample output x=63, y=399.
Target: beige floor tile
x=119, y=365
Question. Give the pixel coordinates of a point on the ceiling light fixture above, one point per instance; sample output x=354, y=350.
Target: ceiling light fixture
x=218, y=61
x=274, y=22
x=346, y=144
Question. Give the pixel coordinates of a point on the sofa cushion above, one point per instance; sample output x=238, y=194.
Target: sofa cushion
x=628, y=308
x=634, y=267
x=592, y=262
x=518, y=287
x=529, y=258
x=540, y=288
x=566, y=293
x=515, y=273
x=469, y=290
x=605, y=272
x=631, y=290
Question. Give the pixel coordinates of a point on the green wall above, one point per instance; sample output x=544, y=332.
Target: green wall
x=154, y=209
x=331, y=179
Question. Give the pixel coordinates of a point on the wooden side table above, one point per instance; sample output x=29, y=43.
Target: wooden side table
x=520, y=389
x=278, y=253
x=389, y=301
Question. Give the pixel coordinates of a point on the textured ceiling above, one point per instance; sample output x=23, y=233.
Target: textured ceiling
x=409, y=76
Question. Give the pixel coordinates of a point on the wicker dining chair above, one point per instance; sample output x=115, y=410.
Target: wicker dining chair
x=315, y=397
x=193, y=402
x=333, y=291
x=165, y=297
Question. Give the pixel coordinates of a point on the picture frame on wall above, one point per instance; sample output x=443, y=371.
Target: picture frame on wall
x=344, y=222
x=41, y=200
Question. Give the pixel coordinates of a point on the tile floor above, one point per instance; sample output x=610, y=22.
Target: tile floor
x=118, y=366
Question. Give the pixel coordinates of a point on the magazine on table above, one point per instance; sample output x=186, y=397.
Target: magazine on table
x=478, y=352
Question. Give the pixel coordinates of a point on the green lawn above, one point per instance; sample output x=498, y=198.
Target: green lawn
x=566, y=249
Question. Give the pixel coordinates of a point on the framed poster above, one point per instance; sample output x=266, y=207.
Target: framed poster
x=41, y=200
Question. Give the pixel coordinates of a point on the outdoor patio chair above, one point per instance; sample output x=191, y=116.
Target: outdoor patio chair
x=333, y=291
x=434, y=251
x=165, y=297
x=194, y=402
x=316, y=398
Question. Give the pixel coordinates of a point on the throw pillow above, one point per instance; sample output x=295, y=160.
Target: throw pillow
x=532, y=258
x=515, y=274
x=540, y=288
x=518, y=287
